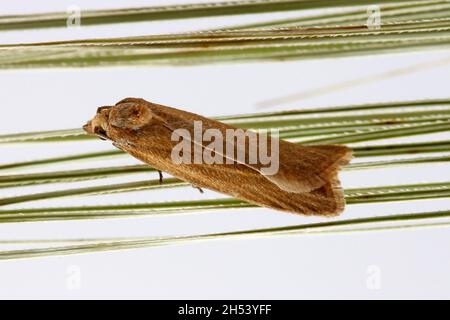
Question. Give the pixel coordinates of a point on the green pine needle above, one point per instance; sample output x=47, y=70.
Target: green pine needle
x=402, y=221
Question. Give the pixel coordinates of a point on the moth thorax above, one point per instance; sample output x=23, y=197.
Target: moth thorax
x=130, y=116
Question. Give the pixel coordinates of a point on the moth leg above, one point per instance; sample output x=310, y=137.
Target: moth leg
x=160, y=176
x=199, y=189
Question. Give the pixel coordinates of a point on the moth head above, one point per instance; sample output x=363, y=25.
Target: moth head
x=129, y=114
x=99, y=125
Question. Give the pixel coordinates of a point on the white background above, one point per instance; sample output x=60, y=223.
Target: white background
x=411, y=264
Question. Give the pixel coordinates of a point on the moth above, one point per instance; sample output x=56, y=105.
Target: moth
x=306, y=177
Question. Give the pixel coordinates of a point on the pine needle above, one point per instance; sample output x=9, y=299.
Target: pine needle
x=402, y=221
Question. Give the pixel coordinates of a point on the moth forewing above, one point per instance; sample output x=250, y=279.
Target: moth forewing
x=304, y=180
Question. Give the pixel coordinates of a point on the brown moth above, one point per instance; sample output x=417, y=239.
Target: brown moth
x=305, y=181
